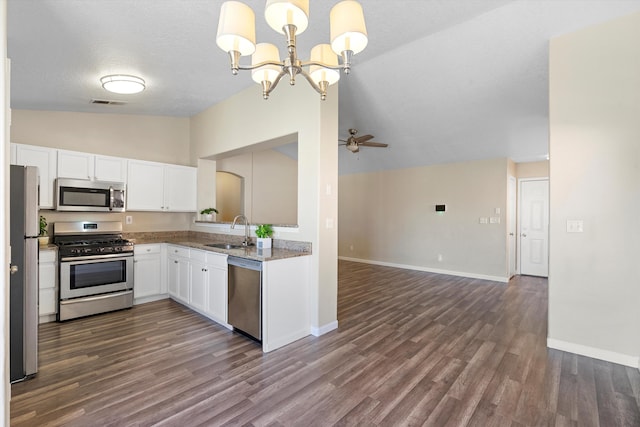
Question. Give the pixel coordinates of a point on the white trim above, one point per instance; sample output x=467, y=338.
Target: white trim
x=501, y=279
x=226, y=227
x=151, y=298
x=316, y=331
x=282, y=341
x=596, y=353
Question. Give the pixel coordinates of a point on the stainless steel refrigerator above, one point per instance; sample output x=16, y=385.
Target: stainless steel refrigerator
x=23, y=291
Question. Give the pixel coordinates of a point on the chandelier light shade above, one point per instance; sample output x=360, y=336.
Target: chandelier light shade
x=236, y=36
x=280, y=13
x=322, y=53
x=265, y=52
x=237, y=28
x=123, y=84
x=348, y=31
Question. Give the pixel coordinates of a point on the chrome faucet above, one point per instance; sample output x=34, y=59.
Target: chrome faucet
x=246, y=242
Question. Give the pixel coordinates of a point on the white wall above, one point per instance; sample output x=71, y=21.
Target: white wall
x=594, y=296
x=389, y=217
x=245, y=120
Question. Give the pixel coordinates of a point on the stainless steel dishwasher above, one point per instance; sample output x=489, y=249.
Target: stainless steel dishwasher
x=245, y=296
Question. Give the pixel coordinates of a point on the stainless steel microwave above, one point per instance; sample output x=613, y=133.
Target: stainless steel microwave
x=89, y=196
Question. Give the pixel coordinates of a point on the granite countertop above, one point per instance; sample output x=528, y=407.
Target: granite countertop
x=250, y=252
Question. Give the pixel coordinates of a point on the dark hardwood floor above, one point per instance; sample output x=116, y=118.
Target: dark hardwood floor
x=412, y=348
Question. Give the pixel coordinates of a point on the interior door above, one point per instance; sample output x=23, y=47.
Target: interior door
x=534, y=227
x=511, y=226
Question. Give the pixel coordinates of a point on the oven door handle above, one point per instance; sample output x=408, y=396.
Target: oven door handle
x=110, y=257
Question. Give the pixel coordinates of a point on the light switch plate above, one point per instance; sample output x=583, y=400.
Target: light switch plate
x=494, y=220
x=575, y=226
x=484, y=220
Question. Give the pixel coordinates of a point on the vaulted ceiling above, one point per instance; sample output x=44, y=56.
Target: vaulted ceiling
x=440, y=81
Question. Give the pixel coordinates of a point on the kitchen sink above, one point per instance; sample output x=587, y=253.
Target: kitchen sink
x=224, y=246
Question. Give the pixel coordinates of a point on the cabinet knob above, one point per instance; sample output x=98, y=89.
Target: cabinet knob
x=175, y=261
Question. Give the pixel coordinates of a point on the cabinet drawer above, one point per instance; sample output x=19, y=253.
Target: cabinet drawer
x=178, y=251
x=47, y=255
x=197, y=255
x=217, y=260
x=147, y=249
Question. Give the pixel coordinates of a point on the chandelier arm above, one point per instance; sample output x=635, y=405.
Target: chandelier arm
x=322, y=64
x=261, y=64
x=312, y=83
x=276, y=81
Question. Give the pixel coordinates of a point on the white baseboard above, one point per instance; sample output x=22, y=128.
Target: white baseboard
x=151, y=298
x=430, y=270
x=316, y=331
x=596, y=353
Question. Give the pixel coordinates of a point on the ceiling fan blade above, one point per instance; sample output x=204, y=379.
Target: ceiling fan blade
x=373, y=144
x=363, y=138
x=343, y=140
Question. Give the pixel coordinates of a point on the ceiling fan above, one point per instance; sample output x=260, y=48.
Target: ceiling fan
x=353, y=143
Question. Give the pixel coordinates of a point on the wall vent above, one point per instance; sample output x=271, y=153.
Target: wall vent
x=107, y=102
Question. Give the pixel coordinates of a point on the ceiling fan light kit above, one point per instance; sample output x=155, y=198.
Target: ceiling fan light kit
x=237, y=36
x=353, y=143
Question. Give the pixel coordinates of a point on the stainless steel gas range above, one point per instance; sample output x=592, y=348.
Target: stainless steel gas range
x=96, y=268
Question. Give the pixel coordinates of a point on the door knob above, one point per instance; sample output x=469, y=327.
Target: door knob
x=510, y=234
x=524, y=235
x=13, y=269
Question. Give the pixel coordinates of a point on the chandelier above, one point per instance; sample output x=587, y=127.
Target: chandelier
x=237, y=36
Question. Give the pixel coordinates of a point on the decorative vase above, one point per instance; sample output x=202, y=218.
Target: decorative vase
x=43, y=240
x=208, y=217
x=263, y=242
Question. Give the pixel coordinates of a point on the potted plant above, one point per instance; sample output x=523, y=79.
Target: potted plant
x=42, y=236
x=208, y=213
x=264, y=233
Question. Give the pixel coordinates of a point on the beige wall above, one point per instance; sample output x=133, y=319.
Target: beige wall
x=594, y=296
x=245, y=120
x=154, y=138
x=532, y=169
x=271, y=185
x=390, y=217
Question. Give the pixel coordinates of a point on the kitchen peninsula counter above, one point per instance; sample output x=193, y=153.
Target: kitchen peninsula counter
x=282, y=249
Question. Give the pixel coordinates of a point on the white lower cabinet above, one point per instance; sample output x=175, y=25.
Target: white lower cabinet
x=178, y=272
x=47, y=285
x=198, y=279
x=148, y=283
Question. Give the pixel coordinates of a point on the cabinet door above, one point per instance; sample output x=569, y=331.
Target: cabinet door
x=45, y=160
x=180, y=188
x=199, y=282
x=217, y=298
x=109, y=168
x=173, y=275
x=183, y=279
x=47, y=279
x=146, y=273
x=74, y=164
x=145, y=186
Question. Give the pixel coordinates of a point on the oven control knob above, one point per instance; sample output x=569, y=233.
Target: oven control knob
x=118, y=248
x=87, y=250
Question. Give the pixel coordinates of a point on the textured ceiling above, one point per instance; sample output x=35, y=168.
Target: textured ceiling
x=441, y=81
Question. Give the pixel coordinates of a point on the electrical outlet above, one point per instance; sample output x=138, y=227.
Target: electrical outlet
x=128, y=219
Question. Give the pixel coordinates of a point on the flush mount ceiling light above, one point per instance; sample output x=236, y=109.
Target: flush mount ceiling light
x=237, y=37
x=122, y=83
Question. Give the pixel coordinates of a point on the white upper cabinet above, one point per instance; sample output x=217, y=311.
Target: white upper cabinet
x=180, y=192
x=78, y=165
x=45, y=160
x=109, y=168
x=73, y=164
x=161, y=187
